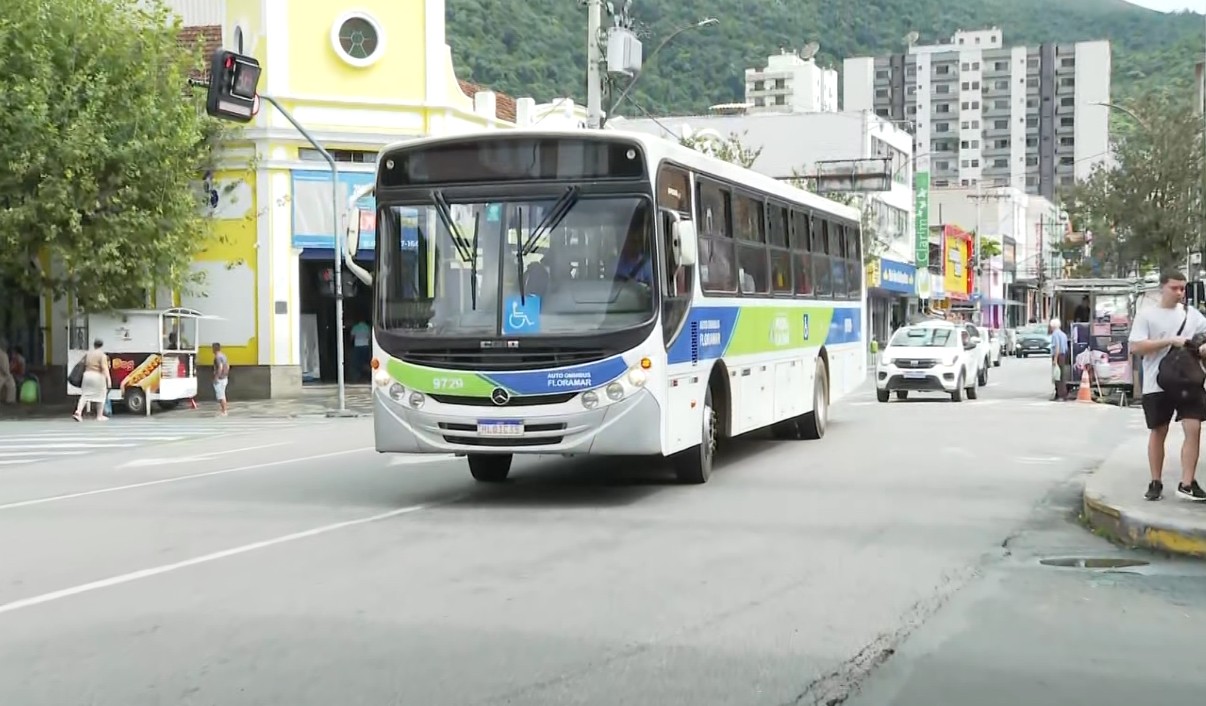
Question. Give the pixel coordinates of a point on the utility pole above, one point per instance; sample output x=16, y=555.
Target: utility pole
x=594, y=59
x=980, y=197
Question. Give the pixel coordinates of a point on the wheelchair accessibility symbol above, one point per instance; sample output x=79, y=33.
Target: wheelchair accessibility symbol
x=521, y=317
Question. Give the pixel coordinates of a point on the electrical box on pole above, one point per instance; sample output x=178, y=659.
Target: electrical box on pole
x=233, y=82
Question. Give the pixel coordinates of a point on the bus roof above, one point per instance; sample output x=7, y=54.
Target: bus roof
x=658, y=148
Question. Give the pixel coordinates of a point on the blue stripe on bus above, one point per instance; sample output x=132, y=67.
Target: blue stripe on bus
x=570, y=379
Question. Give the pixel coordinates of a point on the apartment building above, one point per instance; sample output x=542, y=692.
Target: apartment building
x=791, y=83
x=985, y=114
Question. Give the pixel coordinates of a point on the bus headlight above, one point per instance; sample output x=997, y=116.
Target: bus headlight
x=382, y=378
x=636, y=377
x=397, y=392
x=417, y=399
x=590, y=399
x=615, y=391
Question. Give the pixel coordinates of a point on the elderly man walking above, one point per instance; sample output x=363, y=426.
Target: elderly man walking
x=1059, y=359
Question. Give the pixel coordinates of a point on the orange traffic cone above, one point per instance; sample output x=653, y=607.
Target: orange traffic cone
x=1085, y=393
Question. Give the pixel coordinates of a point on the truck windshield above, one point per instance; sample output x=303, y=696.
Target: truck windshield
x=569, y=264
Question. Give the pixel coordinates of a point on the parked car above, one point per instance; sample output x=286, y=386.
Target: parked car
x=1033, y=340
x=996, y=341
x=931, y=356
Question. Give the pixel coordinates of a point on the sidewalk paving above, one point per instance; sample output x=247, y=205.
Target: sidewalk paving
x=1114, y=504
x=314, y=401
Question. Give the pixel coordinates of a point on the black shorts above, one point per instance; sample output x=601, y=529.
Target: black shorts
x=1159, y=407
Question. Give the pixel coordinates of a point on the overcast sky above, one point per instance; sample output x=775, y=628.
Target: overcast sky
x=1172, y=5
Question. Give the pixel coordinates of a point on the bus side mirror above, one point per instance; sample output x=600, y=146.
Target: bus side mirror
x=686, y=246
x=352, y=239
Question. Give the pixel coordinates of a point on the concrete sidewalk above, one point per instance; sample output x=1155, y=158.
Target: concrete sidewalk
x=1114, y=504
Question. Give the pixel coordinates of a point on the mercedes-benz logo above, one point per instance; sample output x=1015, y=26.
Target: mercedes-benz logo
x=500, y=396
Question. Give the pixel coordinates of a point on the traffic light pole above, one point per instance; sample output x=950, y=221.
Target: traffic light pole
x=335, y=211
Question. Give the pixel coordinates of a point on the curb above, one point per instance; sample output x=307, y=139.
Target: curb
x=1142, y=530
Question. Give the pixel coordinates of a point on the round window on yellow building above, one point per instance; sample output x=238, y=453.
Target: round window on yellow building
x=358, y=39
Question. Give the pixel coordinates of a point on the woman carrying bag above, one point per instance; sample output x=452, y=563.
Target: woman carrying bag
x=94, y=384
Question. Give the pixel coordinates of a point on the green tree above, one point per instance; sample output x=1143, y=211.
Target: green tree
x=1146, y=210
x=731, y=149
x=101, y=145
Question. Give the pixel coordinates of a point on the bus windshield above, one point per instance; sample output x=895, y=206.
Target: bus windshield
x=568, y=264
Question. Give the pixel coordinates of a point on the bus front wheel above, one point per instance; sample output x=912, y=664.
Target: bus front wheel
x=812, y=425
x=694, y=465
x=489, y=468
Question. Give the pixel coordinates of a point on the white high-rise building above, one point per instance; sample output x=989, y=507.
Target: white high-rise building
x=791, y=84
x=985, y=114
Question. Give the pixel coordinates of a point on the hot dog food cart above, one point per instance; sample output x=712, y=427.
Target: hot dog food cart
x=152, y=354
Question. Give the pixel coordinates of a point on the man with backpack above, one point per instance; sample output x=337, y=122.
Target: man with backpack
x=1172, y=382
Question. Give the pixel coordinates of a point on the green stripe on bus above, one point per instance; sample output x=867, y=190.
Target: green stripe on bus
x=768, y=329
x=429, y=380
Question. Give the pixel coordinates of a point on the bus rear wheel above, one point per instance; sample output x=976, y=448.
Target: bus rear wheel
x=489, y=468
x=694, y=465
x=813, y=424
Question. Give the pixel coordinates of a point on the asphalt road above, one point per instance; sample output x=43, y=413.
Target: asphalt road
x=893, y=562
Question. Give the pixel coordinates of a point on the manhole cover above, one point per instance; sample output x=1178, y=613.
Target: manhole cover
x=1090, y=563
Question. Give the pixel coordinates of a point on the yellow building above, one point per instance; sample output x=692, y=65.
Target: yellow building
x=357, y=75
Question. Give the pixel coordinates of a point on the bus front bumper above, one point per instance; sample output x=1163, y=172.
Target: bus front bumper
x=630, y=427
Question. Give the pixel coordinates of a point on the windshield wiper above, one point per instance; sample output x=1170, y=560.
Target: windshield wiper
x=519, y=253
x=561, y=208
x=446, y=218
x=477, y=223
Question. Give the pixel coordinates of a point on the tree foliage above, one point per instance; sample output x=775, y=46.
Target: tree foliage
x=100, y=149
x=731, y=149
x=537, y=47
x=1146, y=211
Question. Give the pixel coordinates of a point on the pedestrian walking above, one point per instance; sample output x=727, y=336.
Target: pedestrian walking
x=221, y=376
x=362, y=346
x=1059, y=359
x=94, y=387
x=1155, y=331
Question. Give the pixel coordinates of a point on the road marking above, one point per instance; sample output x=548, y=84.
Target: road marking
x=1039, y=459
x=424, y=458
x=69, y=446
x=215, y=556
x=174, y=479
x=207, y=456
x=39, y=454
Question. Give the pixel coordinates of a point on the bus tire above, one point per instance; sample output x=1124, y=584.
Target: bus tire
x=489, y=468
x=694, y=465
x=813, y=424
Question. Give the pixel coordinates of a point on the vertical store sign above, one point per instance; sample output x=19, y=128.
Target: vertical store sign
x=921, y=212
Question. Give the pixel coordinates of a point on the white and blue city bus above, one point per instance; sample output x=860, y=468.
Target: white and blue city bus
x=604, y=293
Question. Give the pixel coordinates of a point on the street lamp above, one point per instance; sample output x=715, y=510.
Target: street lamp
x=624, y=93
x=1125, y=111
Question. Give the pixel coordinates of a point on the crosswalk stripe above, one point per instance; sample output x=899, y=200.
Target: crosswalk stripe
x=6, y=454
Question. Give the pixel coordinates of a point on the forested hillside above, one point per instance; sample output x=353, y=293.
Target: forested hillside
x=537, y=47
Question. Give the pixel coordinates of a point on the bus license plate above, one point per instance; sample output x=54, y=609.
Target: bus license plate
x=914, y=375
x=499, y=427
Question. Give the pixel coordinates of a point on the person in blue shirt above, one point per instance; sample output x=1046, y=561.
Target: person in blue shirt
x=1059, y=358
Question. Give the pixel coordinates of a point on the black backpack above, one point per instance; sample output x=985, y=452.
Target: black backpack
x=1180, y=371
